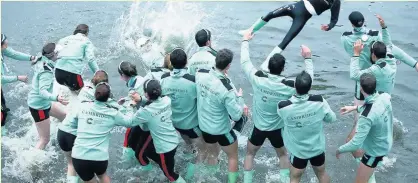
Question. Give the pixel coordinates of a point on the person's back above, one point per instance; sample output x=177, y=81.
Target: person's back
x=157, y=115
x=212, y=89
x=40, y=95
x=303, y=118
x=204, y=58
x=386, y=75
x=181, y=88
x=95, y=121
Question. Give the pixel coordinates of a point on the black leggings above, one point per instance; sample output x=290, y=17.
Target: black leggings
x=299, y=15
x=4, y=109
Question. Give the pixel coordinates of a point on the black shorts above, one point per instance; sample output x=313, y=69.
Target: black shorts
x=357, y=92
x=302, y=163
x=73, y=81
x=65, y=140
x=223, y=140
x=371, y=161
x=4, y=110
x=257, y=137
x=191, y=133
x=87, y=169
x=39, y=115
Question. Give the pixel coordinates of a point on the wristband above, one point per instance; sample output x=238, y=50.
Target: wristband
x=385, y=27
x=244, y=40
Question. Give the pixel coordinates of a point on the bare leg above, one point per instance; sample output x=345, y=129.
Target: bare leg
x=213, y=151
x=104, y=178
x=43, y=128
x=249, y=158
x=232, y=153
x=57, y=111
x=364, y=173
x=284, y=159
x=321, y=174
x=188, y=142
x=71, y=171
x=295, y=174
x=198, y=143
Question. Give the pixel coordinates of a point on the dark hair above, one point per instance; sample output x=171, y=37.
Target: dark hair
x=127, y=69
x=102, y=92
x=303, y=83
x=99, y=77
x=378, y=48
x=356, y=18
x=202, y=37
x=178, y=58
x=152, y=88
x=81, y=28
x=3, y=39
x=223, y=58
x=276, y=64
x=368, y=83
x=49, y=50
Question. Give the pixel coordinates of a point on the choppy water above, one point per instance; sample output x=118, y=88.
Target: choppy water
x=116, y=26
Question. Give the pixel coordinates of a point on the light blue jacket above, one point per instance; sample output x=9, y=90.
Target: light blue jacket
x=40, y=96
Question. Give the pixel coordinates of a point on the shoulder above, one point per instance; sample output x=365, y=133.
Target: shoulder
x=203, y=71
x=226, y=84
x=315, y=98
x=165, y=75
x=284, y=103
x=382, y=64
x=289, y=83
x=373, y=33
x=261, y=74
x=189, y=77
x=347, y=33
x=367, y=109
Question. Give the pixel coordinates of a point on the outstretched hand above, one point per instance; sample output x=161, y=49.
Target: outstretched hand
x=358, y=47
x=324, y=27
x=347, y=109
x=248, y=35
x=305, y=52
x=381, y=21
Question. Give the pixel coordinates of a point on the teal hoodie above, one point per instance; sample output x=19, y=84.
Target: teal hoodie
x=384, y=69
x=349, y=38
x=157, y=115
x=269, y=89
x=77, y=51
x=217, y=102
x=40, y=96
x=86, y=94
x=303, y=116
x=156, y=73
x=136, y=84
x=9, y=52
x=204, y=58
x=374, y=131
x=95, y=120
x=181, y=88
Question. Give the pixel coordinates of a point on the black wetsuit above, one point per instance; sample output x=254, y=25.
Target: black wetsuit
x=4, y=109
x=301, y=15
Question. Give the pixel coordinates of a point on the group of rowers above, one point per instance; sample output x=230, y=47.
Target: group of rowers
x=194, y=97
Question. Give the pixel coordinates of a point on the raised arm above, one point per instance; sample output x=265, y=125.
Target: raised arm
x=246, y=64
x=335, y=13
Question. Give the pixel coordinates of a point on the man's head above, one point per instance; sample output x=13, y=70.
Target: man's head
x=276, y=64
x=223, y=59
x=102, y=92
x=178, y=58
x=82, y=28
x=203, y=38
x=303, y=83
x=368, y=84
x=99, y=77
x=4, y=42
x=377, y=50
x=356, y=19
